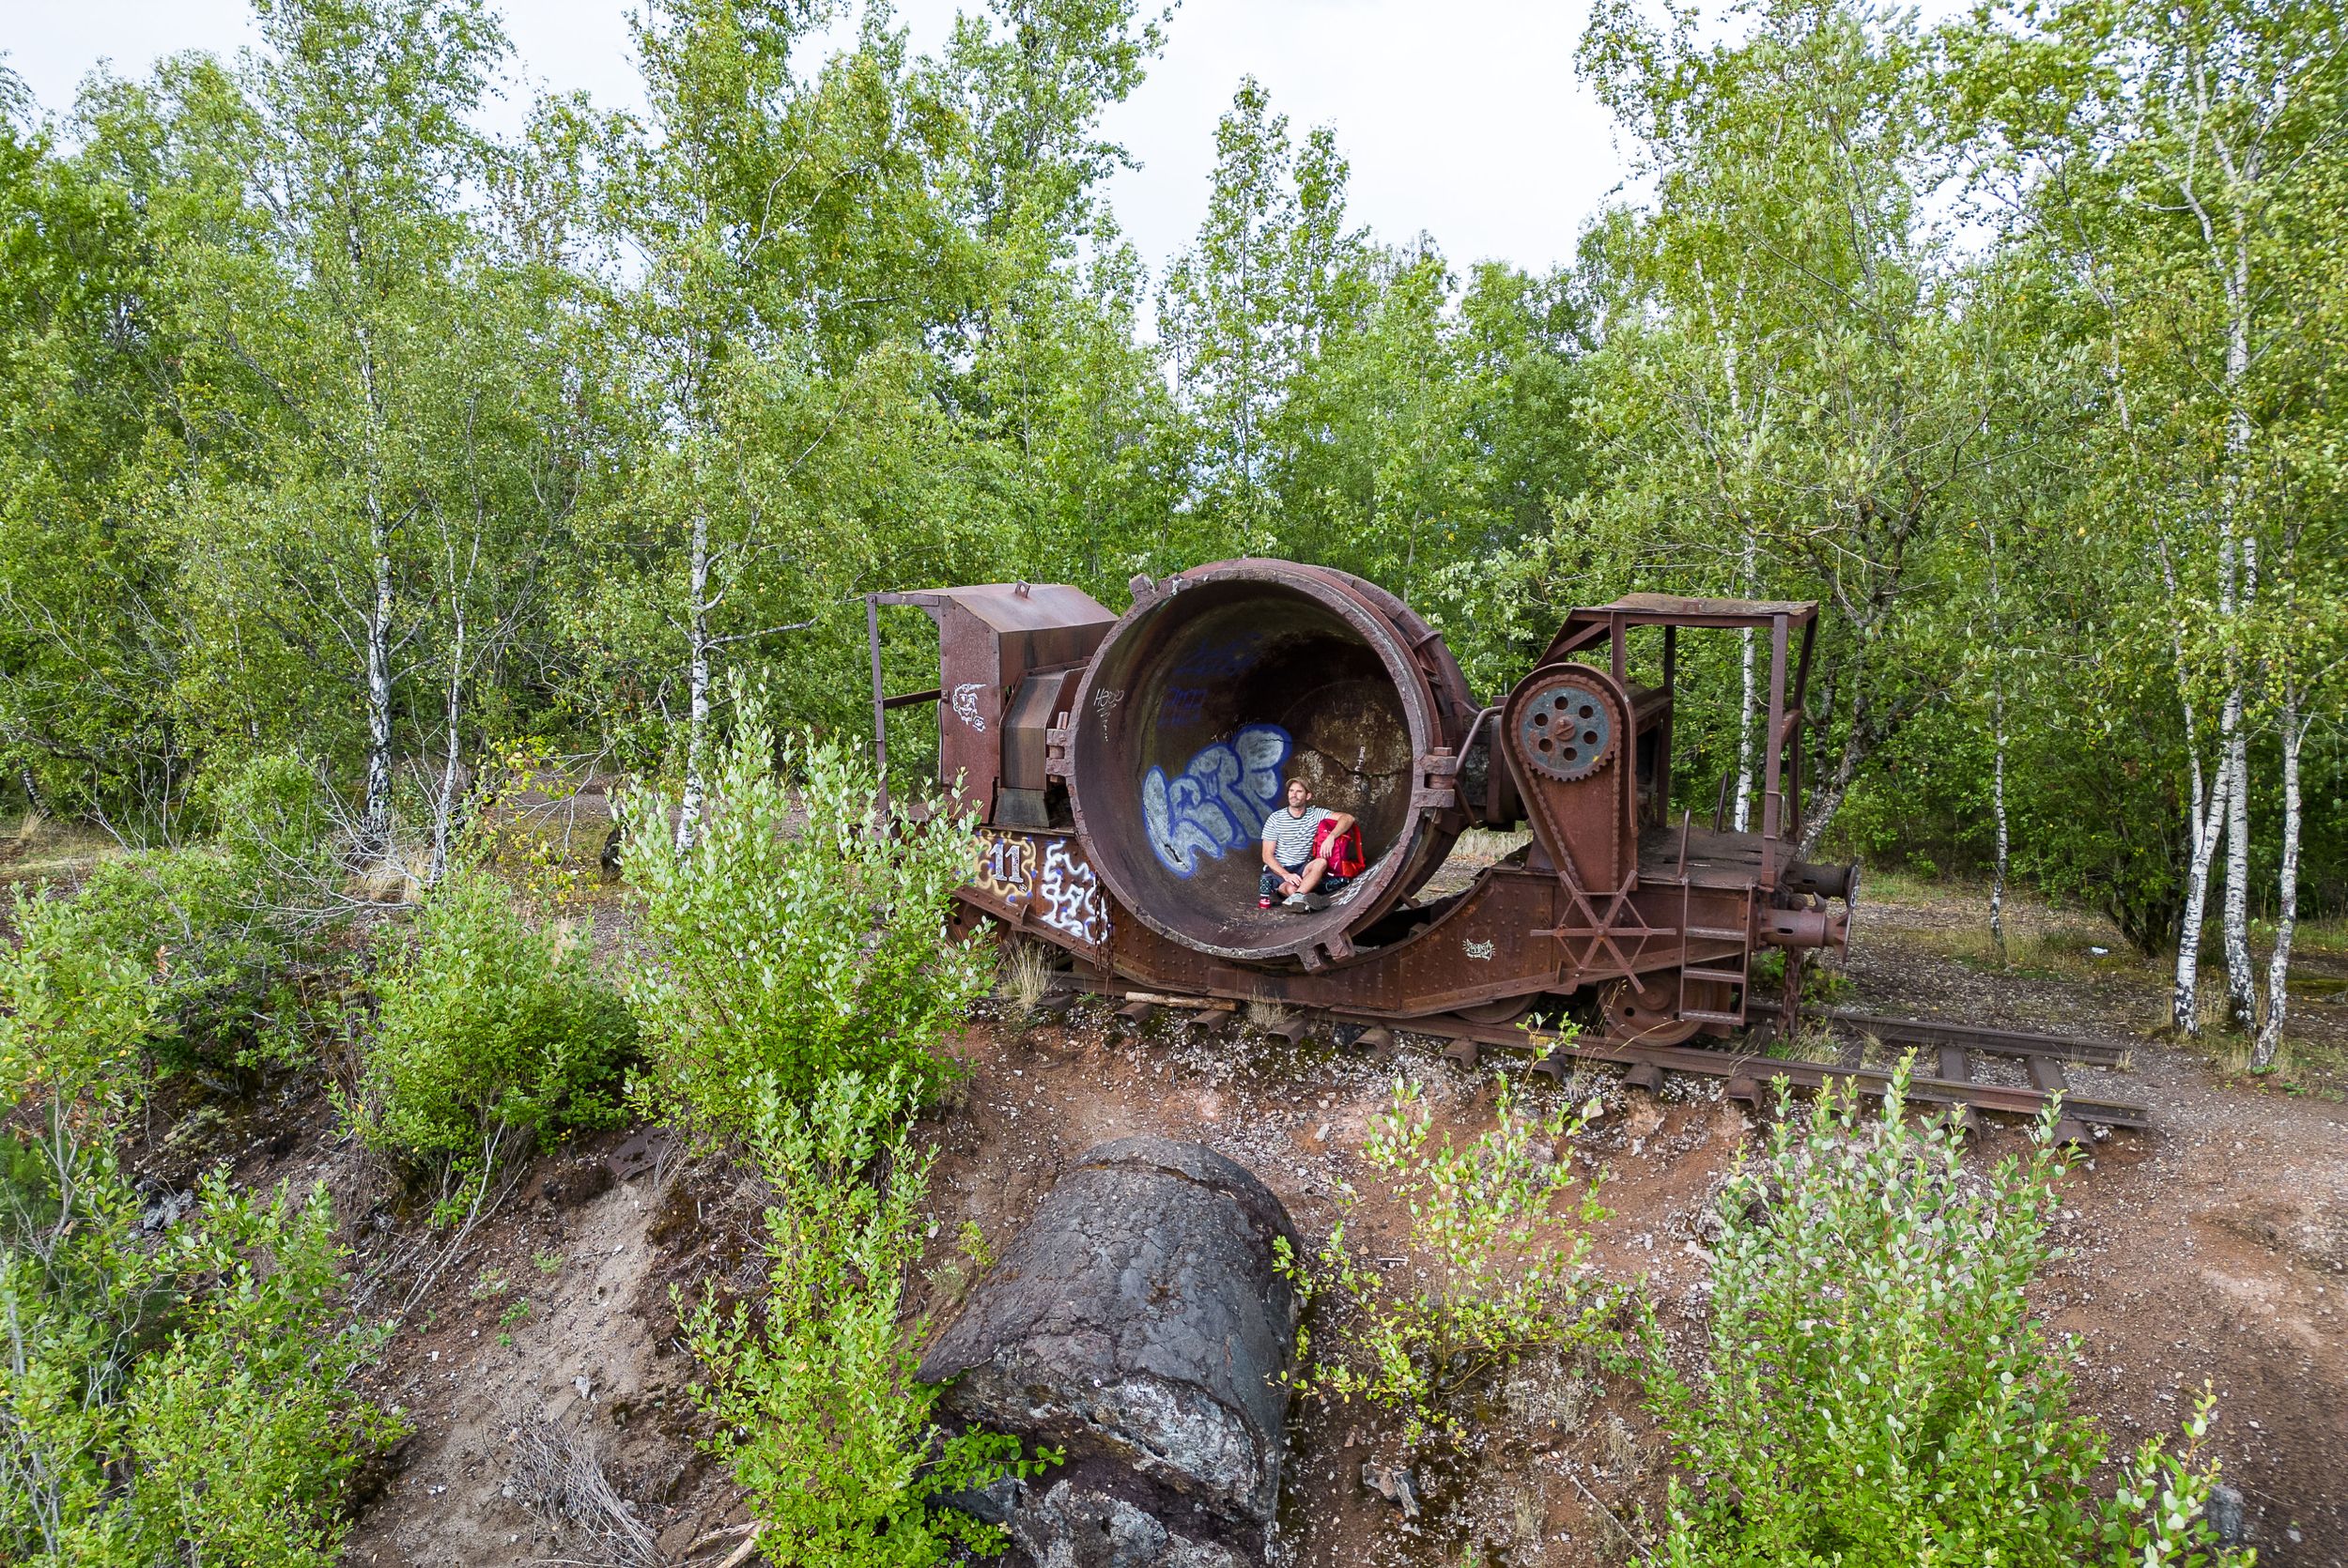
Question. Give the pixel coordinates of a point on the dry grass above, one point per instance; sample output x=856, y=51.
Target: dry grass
x=38, y=848
x=1901, y=888
x=1023, y=977
x=398, y=878
x=1265, y=1015
x=2322, y=938
x=2230, y=1053
x=1488, y=844
x=2045, y=949
x=560, y=1476
x=1623, y=1453
x=1811, y=1042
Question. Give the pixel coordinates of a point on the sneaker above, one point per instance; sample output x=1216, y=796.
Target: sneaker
x=1264, y=902
x=1296, y=901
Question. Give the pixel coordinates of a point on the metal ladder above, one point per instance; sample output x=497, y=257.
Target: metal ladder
x=1741, y=976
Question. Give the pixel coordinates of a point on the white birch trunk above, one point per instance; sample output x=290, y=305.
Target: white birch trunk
x=375, y=815
x=1996, y=745
x=697, y=685
x=375, y=819
x=2234, y=913
x=1997, y=809
x=1744, y=706
x=2203, y=819
x=2270, y=1032
x=2241, y=988
x=445, y=809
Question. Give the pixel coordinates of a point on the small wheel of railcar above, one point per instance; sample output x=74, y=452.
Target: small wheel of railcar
x=1505, y=1012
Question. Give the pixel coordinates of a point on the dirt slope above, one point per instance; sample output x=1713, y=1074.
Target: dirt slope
x=2215, y=1248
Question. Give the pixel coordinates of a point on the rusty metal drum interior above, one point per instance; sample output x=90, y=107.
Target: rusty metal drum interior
x=1201, y=705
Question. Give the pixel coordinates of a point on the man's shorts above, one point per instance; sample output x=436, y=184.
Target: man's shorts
x=1268, y=885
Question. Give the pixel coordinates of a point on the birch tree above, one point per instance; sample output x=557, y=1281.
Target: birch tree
x=321, y=229
x=2176, y=157
x=1806, y=374
x=92, y=631
x=793, y=251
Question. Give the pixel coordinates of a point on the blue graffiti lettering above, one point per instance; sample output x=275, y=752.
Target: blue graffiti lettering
x=1220, y=661
x=1183, y=705
x=1218, y=800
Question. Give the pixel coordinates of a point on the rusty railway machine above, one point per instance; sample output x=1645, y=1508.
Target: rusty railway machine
x=1122, y=767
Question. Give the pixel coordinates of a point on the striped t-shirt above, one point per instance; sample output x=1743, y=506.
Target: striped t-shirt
x=1292, y=836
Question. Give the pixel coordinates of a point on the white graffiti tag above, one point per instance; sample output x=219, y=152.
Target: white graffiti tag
x=1218, y=801
x=966, y=706
x=1104, y=703
x=1069, y=898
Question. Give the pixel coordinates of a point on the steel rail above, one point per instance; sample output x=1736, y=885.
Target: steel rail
x=1755, y=1069
x=1748, y=1072
x=1996, y=1042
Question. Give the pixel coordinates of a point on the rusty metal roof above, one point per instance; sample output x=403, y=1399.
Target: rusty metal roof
x=1016, y=606
x=1676, y=605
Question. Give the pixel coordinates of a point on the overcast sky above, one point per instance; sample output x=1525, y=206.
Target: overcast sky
x=1462, y=119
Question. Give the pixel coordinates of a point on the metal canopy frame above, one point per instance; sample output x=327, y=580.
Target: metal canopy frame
x=1781, y=729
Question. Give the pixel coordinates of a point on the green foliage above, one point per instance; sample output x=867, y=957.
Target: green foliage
x=1504, y=1270
x=211, y=951
x=1875, y=1388
x=183, y=958
x=75, y=1017
x=183, y=1396
x=800, y=934
x=817, y=1408
x=329, y=422
x=488, y=1022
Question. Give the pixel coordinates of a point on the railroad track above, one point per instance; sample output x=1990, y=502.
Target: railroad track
x=1942, y=1074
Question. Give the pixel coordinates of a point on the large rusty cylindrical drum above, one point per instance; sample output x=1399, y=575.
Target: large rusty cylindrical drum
x=1218, y=687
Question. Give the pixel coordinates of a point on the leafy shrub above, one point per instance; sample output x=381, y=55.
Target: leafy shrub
x=1505, y=1269
x=815, y=1402
x=488, y=1024
x=217, y=962
x=1876, y=1390
x=178, y=1398
x=800, y=935
x=76, y=1017
x=216, y=931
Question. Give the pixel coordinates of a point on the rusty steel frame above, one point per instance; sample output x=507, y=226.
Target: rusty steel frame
x=1610, y=898
x=1587, y=904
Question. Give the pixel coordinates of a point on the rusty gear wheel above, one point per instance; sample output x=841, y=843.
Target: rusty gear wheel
x=1565, y=729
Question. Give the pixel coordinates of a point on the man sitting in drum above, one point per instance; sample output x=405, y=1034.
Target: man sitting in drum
x=1290, y=836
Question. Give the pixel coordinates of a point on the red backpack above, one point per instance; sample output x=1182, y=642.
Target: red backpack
x=1345, y=855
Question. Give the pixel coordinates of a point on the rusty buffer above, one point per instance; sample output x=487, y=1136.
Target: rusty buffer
x=1124, y=766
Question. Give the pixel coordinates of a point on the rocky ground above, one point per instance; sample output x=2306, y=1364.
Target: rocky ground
x=536, y=1360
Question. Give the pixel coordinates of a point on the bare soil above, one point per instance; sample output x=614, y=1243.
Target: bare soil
x=2214, y=1249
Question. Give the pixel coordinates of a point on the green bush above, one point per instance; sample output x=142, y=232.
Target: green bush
x=76, y=1017
x=217, y=962
x=814, y=1398
x=1503, y=1269
x=488, y=1024
x=1877, y=1392
x=217, y=931
x=800, y=935
x=175, y=1398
